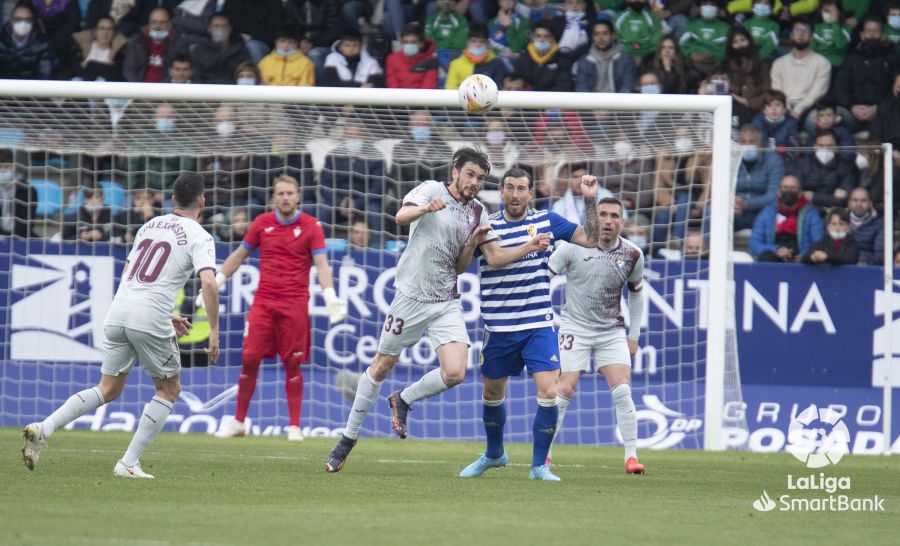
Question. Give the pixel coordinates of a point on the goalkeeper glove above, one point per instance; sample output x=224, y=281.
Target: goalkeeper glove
x=220, y=282
x=337, y=308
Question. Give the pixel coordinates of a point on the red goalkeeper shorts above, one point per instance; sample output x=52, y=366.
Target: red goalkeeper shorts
x=278, y=329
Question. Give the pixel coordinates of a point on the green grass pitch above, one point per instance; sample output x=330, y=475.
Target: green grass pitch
x=269, y=491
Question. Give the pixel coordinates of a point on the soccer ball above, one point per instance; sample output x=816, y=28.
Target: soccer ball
x=478, y=93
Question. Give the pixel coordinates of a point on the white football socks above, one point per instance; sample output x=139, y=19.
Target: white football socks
x=152, y=420
x=77, y=405
x=625, y=417
x=366, y=393
x=427, y=386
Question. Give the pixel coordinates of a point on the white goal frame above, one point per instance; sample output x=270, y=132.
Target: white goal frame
x=718, y=106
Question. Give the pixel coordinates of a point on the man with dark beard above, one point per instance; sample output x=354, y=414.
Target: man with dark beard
x=802, y=75
x=866, y=76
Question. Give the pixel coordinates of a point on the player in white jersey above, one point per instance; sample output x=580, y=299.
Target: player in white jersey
x=140, y=325
x=444, y=218
x=592, y=324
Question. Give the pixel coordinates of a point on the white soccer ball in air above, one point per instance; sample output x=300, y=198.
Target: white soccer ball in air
x=478, y=93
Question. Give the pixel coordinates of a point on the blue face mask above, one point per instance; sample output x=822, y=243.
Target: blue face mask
x=762, y=10
x=750, y=153
x=159, y=35
x=246, y=81
x=420, y=133
x=354, y=146
x=477, y=51
x=165, y=125
x=285, y=52
x=6, y=176
x=541, y=46
x=410, y=50
x=651, y=89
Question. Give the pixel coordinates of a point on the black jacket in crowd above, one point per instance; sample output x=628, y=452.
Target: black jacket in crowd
x=847, y=253
x=319, y=21
x=866, y=77
x=24, y=210
x=34, y=61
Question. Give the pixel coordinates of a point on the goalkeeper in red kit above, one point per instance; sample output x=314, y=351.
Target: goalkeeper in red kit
x=289, y=244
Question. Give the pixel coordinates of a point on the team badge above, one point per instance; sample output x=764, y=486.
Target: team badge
x=269, y=229
x=532, y=230
x=296, y=232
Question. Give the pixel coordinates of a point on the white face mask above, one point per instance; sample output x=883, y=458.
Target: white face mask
x=837, y=235
x=353, y=146
x=862, y=162
x=92, y=207
x=623, y=148
x=22, y=28
x=893, y=21
x=827, y=17
x=824, y=155
x=225, y=128
x=708, y=11
x=6, y=176
x=495, y=138
x=219, y=35
x=683, y=144
x=639, y=241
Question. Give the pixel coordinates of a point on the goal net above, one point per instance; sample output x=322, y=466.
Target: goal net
x=99, y=159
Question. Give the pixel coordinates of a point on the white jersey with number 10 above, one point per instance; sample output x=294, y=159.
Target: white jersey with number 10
x=166, y=251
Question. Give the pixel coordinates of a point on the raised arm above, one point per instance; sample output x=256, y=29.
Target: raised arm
x=498, y=256
x=468, y=251
x=588, y=234
x=409, y=213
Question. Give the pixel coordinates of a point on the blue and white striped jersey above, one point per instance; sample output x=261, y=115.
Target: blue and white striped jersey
x=517, y=297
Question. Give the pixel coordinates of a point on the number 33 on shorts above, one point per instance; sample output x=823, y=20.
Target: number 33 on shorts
x=393, y=325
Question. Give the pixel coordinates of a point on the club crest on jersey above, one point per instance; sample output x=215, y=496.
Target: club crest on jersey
x=296, y=232
x=269, y=229
x=532, y=230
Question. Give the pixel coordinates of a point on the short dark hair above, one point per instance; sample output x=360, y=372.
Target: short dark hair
x=6, y=155
x=516, y=172
x=579, y=166
x=289, y=32
x=825, y=132
x=544, y=25
x=413, y=28
x=840, y=212
x=478, y=30
x=612, y=201
x=181, y=58
x=471, y=155
x=826, y=103
x=801, y=21
x=771, y=95
x=187, y=190
x=93, y=191
x=351, y=36
x=605, y=22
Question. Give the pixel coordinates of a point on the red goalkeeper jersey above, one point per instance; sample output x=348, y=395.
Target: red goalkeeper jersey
x=286, y=250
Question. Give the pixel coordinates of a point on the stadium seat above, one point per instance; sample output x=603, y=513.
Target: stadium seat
x=114, y=196
x=336, y=245
x=49, y=196
x=10, y=138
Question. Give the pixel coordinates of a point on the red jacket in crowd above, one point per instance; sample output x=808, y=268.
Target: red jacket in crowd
x=416, y=72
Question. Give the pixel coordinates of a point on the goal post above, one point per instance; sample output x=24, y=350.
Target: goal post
x=704, y=359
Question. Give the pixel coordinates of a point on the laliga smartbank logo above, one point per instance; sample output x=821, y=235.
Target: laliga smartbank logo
x=818, y=438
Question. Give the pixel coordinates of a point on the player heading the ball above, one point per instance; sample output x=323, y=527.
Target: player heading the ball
x=444, y=217
x=140, y=324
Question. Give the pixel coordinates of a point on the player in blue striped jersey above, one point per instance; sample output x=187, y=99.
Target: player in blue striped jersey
x=515, y=305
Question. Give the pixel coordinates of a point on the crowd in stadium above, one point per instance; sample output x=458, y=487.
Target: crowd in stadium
x=824, y=75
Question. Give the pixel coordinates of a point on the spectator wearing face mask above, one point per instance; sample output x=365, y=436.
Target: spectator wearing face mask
x=216, y=58
x=786, y=229
x=892, y=29
x=18, y=199
x=866, y=76
x=574, y=37
x=415, y=66
x=247, y=73
x=838, y=246
x=414, y=157
x=447, y=28
x=92, y=222
x=148, y=55
x=778, y=130
x=803, y=75
x=477, y=58
x=759, y=174
x=703, y=43
x=350, y=65
x=157, y=172
x=763, y=28
x=827, y=177
x=748, y=76
x=287, y=65
x=25, y=53
x=542, y=64
x=830, y=36
x=638, y=28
